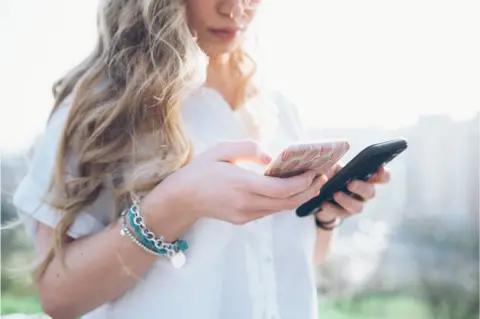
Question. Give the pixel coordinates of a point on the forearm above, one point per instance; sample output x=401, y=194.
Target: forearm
x=98, y=269
x=324, y=237
x=322, y=245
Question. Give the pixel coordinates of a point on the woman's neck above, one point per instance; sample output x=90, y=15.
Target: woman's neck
x=223, y=78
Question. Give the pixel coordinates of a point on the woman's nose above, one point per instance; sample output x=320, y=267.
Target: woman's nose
x=233, y=9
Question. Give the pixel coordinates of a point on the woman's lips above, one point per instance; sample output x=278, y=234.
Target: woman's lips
x=226, y=33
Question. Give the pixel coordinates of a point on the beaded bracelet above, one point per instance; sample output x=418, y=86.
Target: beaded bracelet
x=126, y=232
x=138, y=232
x=148, y=237
x=147, y=240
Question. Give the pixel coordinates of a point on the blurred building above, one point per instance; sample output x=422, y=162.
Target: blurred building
x=443, y=168
x=434, y=191
x=438, y=173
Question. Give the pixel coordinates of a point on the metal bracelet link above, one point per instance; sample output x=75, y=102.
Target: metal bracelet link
x=159, y=242
x=148, y=241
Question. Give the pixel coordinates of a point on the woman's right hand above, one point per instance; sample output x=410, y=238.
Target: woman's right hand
x=213, y=186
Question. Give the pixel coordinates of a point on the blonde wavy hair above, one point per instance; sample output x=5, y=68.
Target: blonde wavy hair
x=127, y=94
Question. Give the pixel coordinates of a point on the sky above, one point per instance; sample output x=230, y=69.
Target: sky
x=345, y=63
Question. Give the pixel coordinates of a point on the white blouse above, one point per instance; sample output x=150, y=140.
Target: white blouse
x=263, y=269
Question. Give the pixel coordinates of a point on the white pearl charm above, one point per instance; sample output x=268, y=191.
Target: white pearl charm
x=178, y=260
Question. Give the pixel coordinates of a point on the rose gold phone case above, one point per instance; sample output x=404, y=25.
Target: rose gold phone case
x=299, y=158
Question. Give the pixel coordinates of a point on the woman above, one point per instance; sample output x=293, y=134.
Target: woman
x=138, y=170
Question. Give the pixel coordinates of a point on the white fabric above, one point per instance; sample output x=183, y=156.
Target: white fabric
x=260, y=270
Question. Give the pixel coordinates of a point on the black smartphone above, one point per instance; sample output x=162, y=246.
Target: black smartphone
x=361, y=167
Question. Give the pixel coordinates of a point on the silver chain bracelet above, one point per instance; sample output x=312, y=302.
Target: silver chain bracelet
x=126, y=232
x=159, y=243
x=172, y=250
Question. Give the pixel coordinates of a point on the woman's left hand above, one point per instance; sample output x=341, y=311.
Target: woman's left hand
x=350, y=205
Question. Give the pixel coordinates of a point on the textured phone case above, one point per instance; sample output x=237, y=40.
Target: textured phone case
x=299, y=158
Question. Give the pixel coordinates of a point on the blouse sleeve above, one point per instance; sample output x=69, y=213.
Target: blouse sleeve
x=29, y=196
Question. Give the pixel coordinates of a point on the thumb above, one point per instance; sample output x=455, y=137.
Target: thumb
x=237, y=151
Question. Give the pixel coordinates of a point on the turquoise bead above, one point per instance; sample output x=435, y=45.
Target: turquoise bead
x=182, y=245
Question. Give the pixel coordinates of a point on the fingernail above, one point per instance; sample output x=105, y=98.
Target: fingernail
x=324, y=178
x=266, y=158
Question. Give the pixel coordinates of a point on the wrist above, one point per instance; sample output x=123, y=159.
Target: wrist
x=325, y=216
x=165, y=217
x=327, y=221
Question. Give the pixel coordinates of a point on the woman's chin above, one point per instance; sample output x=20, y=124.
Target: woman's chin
x=219, y=49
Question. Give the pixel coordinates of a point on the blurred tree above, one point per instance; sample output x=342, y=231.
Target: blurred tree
x=12, y=242
x=447, y=264
x=8, y=242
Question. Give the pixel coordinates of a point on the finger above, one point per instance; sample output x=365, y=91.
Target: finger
x=292, y=202
x=235, y=151
x=350, y=204
x=276, y=187
x=382, y=176
x=335, y=169
x=296, y=200
x=364, y=190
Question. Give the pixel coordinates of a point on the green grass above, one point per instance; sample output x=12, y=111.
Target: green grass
x=375, y=307
x=19, y=304
x=370, y=307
